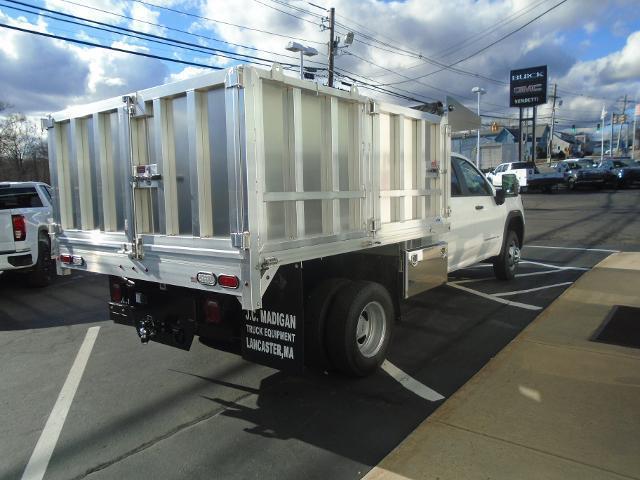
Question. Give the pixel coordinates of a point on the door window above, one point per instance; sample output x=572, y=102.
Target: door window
x=472, y=181
x=456, y=191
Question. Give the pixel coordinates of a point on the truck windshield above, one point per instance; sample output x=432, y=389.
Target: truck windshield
x=19, y=197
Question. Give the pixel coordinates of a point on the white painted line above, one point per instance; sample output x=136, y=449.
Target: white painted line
x=518, y=275
x=574, y=248
x=41, y=455
x=494, y=298
x=543, y=272
x=558, y=267
x=518, y=292
x=411, y=383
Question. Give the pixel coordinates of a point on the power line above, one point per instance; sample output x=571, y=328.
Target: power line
x=193, y=15
x=505, y=21
x=97, y=45
x=488, y=46
x=185, y=32
x=444, y=66
x=286, y=13
x=141, y=35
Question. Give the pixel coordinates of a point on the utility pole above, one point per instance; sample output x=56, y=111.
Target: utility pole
x=633, y=135
x=332, y=20
x=624, y=107
x=553, y=121
x=611, y=140
x=603, y=115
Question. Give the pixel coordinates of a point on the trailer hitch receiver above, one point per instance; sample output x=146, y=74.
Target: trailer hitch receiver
x=146, y=329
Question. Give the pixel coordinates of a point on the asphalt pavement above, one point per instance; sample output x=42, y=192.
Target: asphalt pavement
x=156, y=412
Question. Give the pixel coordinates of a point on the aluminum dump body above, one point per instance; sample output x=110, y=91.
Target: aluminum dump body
x=240, y=171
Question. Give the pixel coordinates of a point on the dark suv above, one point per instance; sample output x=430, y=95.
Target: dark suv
x=582, y=172
x=621, y=173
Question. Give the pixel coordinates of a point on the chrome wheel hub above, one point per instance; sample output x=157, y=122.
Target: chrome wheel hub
x=371, y=329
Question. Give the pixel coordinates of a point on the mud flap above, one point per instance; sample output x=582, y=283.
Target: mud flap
x=274, y=335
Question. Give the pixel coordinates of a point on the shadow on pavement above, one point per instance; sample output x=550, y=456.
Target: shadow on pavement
x=70, y=300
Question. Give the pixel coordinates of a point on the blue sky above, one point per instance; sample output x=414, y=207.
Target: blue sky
x=589, y=46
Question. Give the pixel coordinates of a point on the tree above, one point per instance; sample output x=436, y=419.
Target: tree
x=23, y=152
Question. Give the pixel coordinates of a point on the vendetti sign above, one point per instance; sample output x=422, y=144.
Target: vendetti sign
x=528, y=87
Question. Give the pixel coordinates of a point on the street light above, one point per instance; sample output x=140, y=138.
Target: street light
x=479, y=91
x=304, y=51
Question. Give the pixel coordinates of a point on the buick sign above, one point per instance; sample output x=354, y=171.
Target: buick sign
x=528, y=87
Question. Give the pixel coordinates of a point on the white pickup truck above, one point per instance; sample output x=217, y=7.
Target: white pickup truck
x=269, y=215
x=528, y=175
x=25, y=214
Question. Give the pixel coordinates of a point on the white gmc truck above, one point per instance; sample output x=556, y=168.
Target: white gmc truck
x=270, y=215
x=25, y=215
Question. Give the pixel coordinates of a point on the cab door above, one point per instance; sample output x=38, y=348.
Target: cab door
x=476, y=220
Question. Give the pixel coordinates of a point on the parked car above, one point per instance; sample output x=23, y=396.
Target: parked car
x=581, y=172
x=25, y=213
x=527, y=174
x=621, y=173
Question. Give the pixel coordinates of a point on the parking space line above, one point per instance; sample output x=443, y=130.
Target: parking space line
x=37, y=465
x=558, y=267
x=543, y=272
x=411, y=383
x=574, y=248
x=518, y=275
x=518, y=292
x=489, y=296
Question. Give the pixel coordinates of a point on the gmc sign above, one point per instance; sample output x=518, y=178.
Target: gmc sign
x=528, y=87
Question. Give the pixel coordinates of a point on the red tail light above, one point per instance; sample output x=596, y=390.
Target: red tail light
x=228, y=281
x=66, y=258
x=212, y=312
x=116, y=291
x=19, y=228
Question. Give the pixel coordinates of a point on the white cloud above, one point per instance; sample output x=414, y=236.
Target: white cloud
x=414, y=25
x=187, y=72
x=40, y=75
x=590, y=27
x=100, y=10
x=143, y=18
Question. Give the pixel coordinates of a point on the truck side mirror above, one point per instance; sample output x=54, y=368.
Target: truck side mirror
x=510, y=184
x=500, y=196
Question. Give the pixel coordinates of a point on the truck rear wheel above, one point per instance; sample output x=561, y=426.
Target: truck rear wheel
x=43, y=272
x=359, y=328
x=316, y=310
x=505, y=264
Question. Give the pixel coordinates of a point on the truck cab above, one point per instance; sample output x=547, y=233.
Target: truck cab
x=481, y=218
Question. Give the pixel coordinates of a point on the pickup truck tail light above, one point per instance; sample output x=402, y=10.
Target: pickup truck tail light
x=19, y=228
x=67, y=259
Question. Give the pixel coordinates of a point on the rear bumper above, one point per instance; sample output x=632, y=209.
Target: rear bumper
x=16, y=260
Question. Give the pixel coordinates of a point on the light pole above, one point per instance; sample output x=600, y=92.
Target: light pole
x=479, y=91
x=304, y=51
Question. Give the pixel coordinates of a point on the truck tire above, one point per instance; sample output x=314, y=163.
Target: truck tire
x=359, y=328
x=43, y=273
x=505, y=264
x=571, y=183
x=316, y=309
